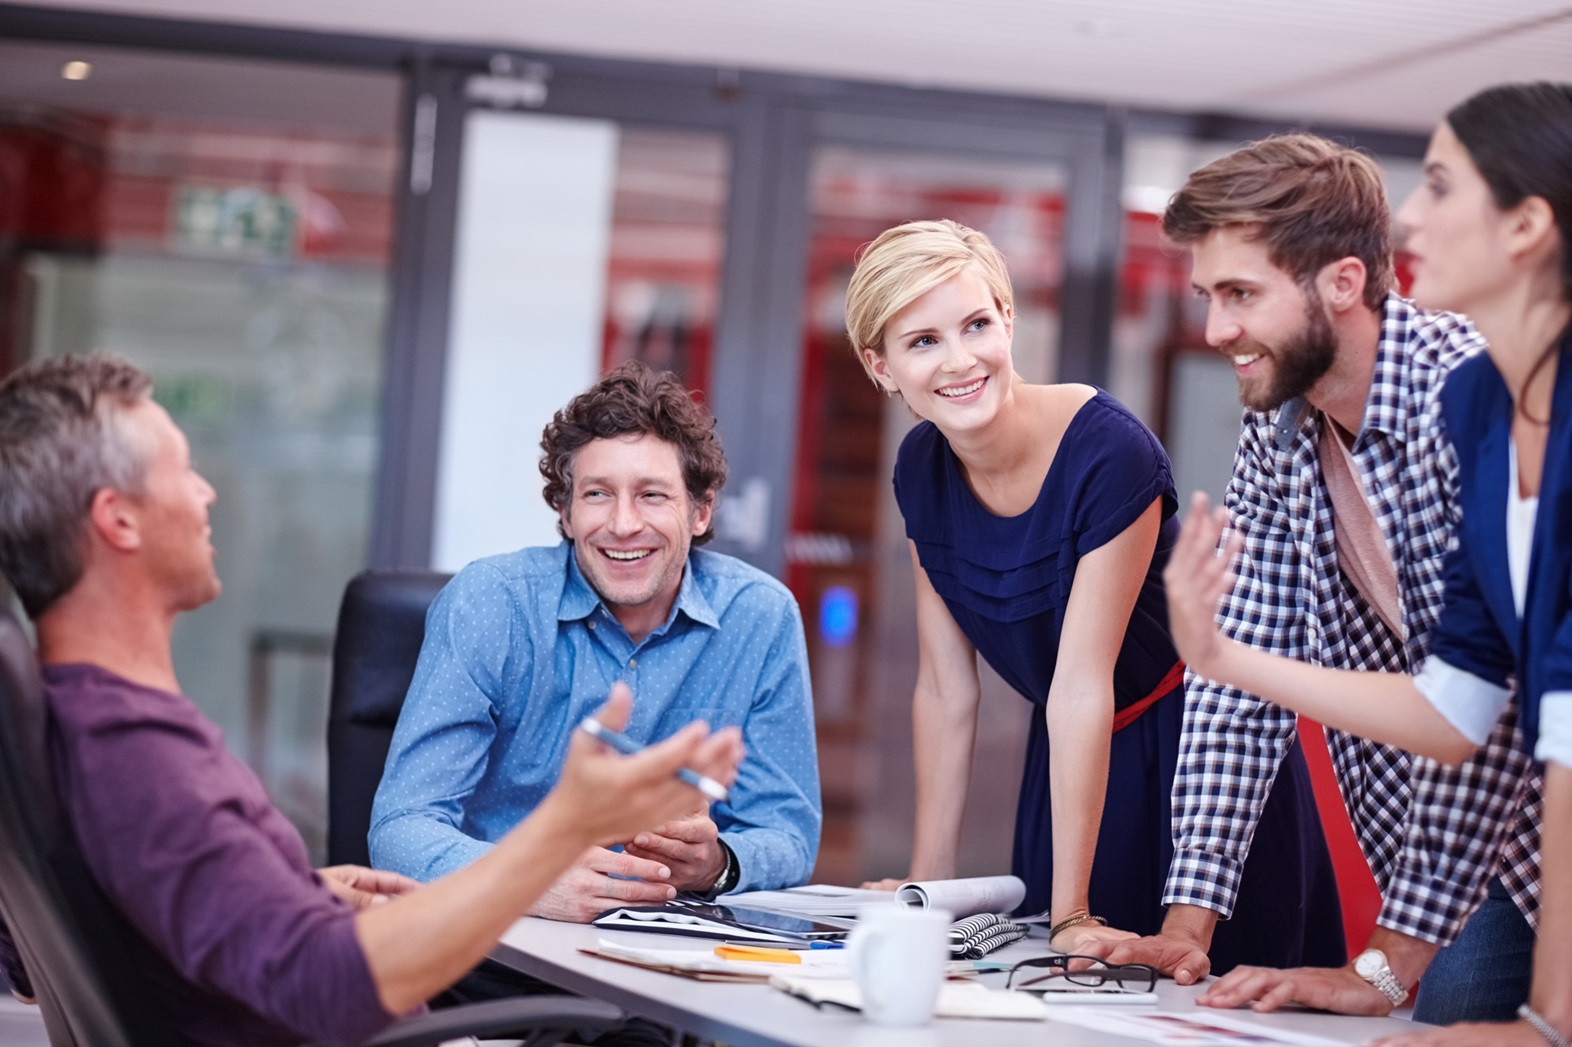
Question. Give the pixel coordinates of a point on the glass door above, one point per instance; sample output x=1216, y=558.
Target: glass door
x=227, y=225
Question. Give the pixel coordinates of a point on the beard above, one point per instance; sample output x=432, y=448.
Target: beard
x=1297, y=364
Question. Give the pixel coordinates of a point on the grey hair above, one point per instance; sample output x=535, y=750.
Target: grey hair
x=63, y=438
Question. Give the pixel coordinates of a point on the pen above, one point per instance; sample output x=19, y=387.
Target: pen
x=627, y=746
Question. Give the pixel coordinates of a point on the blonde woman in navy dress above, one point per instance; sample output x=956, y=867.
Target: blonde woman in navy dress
x=1040, y=518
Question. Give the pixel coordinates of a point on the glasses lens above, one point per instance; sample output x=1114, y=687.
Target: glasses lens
x=1087, y=970
x=1027, y=971
x=1137, y=977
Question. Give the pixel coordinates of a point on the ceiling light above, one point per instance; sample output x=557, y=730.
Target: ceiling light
x=76, y=70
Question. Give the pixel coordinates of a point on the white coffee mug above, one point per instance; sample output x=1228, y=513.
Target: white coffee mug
x=898, y=956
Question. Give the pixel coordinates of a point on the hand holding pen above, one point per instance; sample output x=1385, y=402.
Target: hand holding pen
x=621, y=795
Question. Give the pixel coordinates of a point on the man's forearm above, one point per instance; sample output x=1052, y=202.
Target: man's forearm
x=1406, y=955
x=428, y=939
x=1192, y=923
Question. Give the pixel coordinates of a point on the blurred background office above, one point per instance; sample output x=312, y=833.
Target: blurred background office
x=365, y=249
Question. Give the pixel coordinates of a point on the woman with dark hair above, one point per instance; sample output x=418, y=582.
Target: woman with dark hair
x=1491, y=234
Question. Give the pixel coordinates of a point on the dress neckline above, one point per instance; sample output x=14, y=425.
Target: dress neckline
x=953, y=463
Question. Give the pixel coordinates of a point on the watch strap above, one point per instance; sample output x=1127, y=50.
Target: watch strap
x=1385, y=982
x=730, y=874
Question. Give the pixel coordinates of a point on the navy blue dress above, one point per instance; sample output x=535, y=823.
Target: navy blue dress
x=1006, y=582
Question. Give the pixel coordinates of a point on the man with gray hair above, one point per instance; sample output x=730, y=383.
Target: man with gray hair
x=104, y=535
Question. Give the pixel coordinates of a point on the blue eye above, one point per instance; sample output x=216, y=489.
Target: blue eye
x=979, y=323
x=923, y=341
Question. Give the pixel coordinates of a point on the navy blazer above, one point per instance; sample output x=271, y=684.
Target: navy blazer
x=1479, y=630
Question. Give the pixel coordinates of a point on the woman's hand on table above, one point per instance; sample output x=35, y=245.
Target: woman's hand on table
x=1086, y=936
x=886, y=884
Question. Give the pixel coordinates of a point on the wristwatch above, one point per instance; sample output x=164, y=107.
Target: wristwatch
x=1371, y=965
x=729, y=876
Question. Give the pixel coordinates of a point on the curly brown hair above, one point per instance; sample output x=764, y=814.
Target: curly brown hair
x=1311, y=200
x=631, y=401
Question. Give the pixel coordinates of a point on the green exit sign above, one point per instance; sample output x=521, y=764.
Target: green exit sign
x=241, y=220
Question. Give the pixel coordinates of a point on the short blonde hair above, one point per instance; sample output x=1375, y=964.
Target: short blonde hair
x=907, y=262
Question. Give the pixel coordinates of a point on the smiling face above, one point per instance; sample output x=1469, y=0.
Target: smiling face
x=631, y=522
x=948, y=354
x=1454, y=231
x=1276, y=333
x=172, y=511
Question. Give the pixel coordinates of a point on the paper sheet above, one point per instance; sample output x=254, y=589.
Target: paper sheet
x=1187, y=1028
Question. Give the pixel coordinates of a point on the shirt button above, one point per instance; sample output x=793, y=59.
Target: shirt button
x=592, y=623
x=633, y=663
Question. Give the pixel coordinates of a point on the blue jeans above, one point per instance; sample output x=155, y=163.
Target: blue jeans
x=1482, y=976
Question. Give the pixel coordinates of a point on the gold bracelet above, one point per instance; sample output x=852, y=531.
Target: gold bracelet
x=1075, y=919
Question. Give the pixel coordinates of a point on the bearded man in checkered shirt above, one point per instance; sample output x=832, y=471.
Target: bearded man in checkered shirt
x=1344, y=491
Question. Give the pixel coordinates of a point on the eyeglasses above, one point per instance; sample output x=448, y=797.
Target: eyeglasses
x=1087, y=971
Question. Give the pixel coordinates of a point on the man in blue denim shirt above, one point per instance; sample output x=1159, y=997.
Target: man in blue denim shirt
x=520, y=647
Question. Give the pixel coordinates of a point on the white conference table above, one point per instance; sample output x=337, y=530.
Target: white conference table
x=758, y=1016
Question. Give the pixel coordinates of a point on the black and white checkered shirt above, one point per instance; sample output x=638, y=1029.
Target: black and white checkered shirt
x=1433, y=835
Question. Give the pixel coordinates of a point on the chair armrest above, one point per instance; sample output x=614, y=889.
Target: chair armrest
x=525, y=1017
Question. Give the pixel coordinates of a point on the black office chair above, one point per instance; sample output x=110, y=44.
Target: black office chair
x=381, y=625
x=74, y=943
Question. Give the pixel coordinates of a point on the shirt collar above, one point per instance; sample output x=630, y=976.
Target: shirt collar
x=1386, y=406
x=1386, y=410
x=579, y=600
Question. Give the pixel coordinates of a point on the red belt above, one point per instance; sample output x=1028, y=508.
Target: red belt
x=1131, y=713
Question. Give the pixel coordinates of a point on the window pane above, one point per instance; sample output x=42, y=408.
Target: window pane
x=226, y=225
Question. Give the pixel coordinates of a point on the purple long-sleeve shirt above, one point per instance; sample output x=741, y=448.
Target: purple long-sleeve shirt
x=240, y=940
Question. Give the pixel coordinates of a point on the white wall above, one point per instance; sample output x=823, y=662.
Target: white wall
x=529, y=287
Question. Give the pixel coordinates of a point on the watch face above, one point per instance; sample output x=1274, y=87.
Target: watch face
x=1369, y=963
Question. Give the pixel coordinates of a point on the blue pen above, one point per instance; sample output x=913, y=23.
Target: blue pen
x=627, y=746
x=821, y=944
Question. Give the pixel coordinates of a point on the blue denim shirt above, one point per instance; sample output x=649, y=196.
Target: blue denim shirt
x=519, y=649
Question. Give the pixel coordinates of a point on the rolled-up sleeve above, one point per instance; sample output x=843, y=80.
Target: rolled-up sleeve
x=1232, y=742
x=1470, y=704
x=1555, y=729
